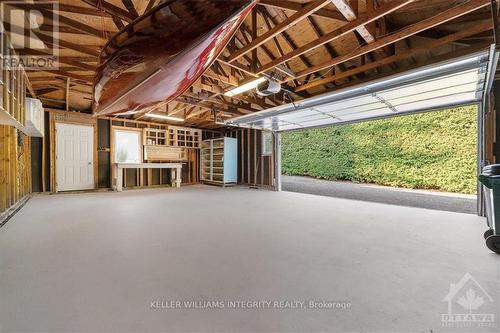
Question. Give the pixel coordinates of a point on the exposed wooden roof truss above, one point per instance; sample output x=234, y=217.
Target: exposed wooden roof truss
x=309, y=46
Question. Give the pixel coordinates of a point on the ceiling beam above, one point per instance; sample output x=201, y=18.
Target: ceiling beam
x=319, y=32
x=351, y=15
x=45, y=91
x=50, y=100
x=338, y=33
x=283, y=69
x=47, y=14
x=295, y=6
x=150, y=5
x=69, y=45
x=79, y=58
x=282, y=26
x=211, y=106
x=346, y=10
x=51, y=40
x=75, y=63
x=67, y=30
x=407, y=54
x=131, y=8
x=84, y=78
x=111, y=9
x=118, y=22
x=288, y=39
x=464, y=51
x=62, y=86
x=64, y=8
x=229, y=80
x=433, y=21
x=243, y=106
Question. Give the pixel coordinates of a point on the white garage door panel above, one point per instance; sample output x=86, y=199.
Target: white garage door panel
x=454, y=82
x=74, y=157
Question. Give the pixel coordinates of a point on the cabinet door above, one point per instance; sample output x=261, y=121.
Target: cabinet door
x=230, y=160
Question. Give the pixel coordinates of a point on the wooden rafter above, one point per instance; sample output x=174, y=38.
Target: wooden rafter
x=380, y=45
x=75, y=63
x=245, y=107
x=130, y=8
x=288, y=39
x=338, y=33
x=295, y=6
x=282, y=26
x=151, y=4
x=229, y=80
x=118, y=22
x=402, y=56
x=348, y=12
x=319, y=33
x=111, y=9
x=431, y=60
x=48, y=15
x=402, y=34
x=83, y=78
x=64, y=8
x=51, y=40
x=69, y=30
x=45, y=91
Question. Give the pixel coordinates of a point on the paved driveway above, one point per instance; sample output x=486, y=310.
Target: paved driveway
x=453, y=202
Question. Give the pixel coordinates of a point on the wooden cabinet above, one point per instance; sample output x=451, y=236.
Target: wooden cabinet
x=169, y=144
x=153, y=136
x=219, y=161
x=184, y=137
x=173, y=136
x=164, y=153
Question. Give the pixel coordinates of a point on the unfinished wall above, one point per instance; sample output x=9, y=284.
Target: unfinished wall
x=254, y=168
x=44, y=160
x=15, y=168
x=15, y=148
x=142, y=177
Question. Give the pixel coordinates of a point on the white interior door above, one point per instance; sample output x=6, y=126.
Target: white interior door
x=74, y=157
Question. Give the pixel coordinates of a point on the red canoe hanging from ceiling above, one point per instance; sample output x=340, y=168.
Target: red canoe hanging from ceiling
x=160, y=54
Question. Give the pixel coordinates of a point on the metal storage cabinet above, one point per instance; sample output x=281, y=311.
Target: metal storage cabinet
x=219, y=161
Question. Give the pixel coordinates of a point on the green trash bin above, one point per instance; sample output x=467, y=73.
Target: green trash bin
x=490, y=178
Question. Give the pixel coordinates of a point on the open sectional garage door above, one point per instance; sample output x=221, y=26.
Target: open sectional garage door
x=446, y=84
x=461, y=81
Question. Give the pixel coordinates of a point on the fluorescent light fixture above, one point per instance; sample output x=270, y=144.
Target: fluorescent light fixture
x=245, y=87
x=160, y=116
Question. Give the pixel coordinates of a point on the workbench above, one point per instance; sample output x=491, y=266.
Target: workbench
x=175, y=173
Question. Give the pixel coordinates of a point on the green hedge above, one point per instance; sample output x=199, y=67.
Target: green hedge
x=435, y=150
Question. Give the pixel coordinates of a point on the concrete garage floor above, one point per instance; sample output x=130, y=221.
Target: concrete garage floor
x=95, y=262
